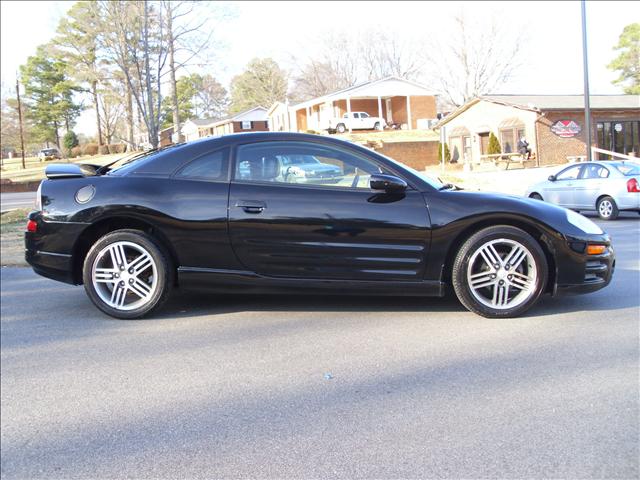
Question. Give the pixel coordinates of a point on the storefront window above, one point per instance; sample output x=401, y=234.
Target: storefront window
x=619, y=136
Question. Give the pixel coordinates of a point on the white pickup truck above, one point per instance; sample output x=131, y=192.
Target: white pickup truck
x=357, y=121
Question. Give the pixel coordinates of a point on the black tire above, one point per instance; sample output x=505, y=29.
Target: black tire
x=376, y=126
x=607, y=208
x=340, y=128
x=536, y=196
x=472, y=245
x=163, y=267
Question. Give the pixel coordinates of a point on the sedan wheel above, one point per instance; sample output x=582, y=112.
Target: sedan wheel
x=607, y=208
x=500, y=272
x=126, y=275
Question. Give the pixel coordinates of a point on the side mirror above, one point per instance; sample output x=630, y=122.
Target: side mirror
x=552, y=178
x=388, y=183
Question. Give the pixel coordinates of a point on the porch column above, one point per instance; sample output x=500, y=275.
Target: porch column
x=308, y=118
x=379, y=108
x=349, y=113
x=409, y=112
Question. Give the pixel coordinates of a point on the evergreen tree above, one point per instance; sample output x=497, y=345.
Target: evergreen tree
x=494, y=145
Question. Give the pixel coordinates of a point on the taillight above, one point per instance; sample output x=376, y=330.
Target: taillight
x=633, y=186
x=32, y=226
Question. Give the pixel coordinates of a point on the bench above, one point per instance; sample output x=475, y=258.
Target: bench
x=508, y=159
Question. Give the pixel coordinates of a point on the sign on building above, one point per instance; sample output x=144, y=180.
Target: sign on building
x=566, y=128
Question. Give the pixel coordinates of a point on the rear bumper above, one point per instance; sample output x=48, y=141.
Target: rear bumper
x=56, y=266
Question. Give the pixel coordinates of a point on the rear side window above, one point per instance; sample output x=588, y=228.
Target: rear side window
x=210, y=166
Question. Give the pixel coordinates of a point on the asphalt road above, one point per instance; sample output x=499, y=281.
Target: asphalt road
x=321, y=387
x=9, y=201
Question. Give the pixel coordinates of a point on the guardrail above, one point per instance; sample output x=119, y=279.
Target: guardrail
x=595, y=150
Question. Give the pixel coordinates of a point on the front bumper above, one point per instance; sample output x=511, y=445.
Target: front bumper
x=585, y=273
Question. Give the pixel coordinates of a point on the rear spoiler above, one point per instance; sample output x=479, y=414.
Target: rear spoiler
x=69, y=170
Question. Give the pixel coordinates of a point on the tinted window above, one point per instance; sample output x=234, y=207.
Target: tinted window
x=570, y=173
x=303, y=164
x=211, y=166
x=364, y=115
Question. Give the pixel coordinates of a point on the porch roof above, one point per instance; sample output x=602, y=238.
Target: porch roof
x=386, y=87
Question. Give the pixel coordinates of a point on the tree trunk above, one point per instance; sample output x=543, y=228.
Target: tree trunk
x=55, y=126
x=152, y=126
x=129, y=107
x=172, y=73
x=94, y=92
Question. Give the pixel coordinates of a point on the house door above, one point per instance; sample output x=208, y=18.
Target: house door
x=484, y=143
x=466, y=145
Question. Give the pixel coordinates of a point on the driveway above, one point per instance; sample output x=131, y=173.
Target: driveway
x=290, y=386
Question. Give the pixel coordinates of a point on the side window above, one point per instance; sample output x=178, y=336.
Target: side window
x=364, y=115
x=356, y=115
x=210, y=166
x=594, y=171
x=303, y=164
x=570, y=173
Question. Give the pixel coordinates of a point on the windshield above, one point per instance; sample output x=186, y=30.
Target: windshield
x=127, y=163
x=628, y=168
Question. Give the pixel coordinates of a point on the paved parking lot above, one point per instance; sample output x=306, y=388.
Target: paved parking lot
x=321, y=387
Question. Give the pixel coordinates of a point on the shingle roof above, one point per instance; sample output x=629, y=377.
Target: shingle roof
x=569, y=102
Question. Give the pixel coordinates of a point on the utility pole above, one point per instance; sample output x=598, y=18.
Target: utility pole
x=20, y=121
x=587, y=106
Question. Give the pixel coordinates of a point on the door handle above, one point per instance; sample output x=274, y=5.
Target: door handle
x=251, y=206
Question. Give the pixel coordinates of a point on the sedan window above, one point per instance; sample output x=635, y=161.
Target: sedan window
x=628, y=168
x=314, y=164
x=594, y=171
x=570, y=173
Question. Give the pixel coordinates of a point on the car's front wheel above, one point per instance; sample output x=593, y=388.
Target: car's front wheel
x=499, y=272
x=535, y=196
x=607, y=208
x=127, y=274
x=377, y=126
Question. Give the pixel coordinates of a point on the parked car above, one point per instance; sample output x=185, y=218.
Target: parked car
x=356, y=121
x=49, y=154
x=219, y=214
x=608, y=187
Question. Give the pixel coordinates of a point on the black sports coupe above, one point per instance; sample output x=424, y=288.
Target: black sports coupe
x=239, y=214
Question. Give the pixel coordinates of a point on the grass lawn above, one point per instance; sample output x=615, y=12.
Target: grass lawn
x=12, y=168
x=12, y=227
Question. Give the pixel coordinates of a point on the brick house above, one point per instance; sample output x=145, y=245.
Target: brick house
x=396, y=100
x=552, y=124
x=253, y=120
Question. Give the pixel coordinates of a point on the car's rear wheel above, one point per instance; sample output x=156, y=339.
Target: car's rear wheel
x=536, y=196
x=499, y=272
x=607, y=208
x=126, y=274
x=340, y=128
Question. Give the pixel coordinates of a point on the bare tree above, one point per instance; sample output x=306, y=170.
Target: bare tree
x=133, y=34
x=384, y=55
x=469, y=63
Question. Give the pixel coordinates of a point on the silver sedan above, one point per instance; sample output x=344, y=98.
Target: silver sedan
x=606, y=187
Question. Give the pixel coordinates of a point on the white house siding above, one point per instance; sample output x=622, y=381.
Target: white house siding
x=485, y=116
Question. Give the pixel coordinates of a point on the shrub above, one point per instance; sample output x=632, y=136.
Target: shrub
x=116, y=147
x=447, y=153
x=90, y=149
x=76, y=152
x=70, y=140
x=103, y=149
x=494, y=145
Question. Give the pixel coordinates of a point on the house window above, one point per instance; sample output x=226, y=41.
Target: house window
x=509, y=138
x=246, y=125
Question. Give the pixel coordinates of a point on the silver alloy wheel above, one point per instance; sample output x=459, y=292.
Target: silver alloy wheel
x=605, y=209
x=124, y=275
x=502, y=274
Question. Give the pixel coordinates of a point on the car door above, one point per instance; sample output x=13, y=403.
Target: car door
x=589, y=184
x=356, y=121
x=329, y=226
x=561, y=190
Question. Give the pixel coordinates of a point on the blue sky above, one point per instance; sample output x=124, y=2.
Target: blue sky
x=553, y=54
